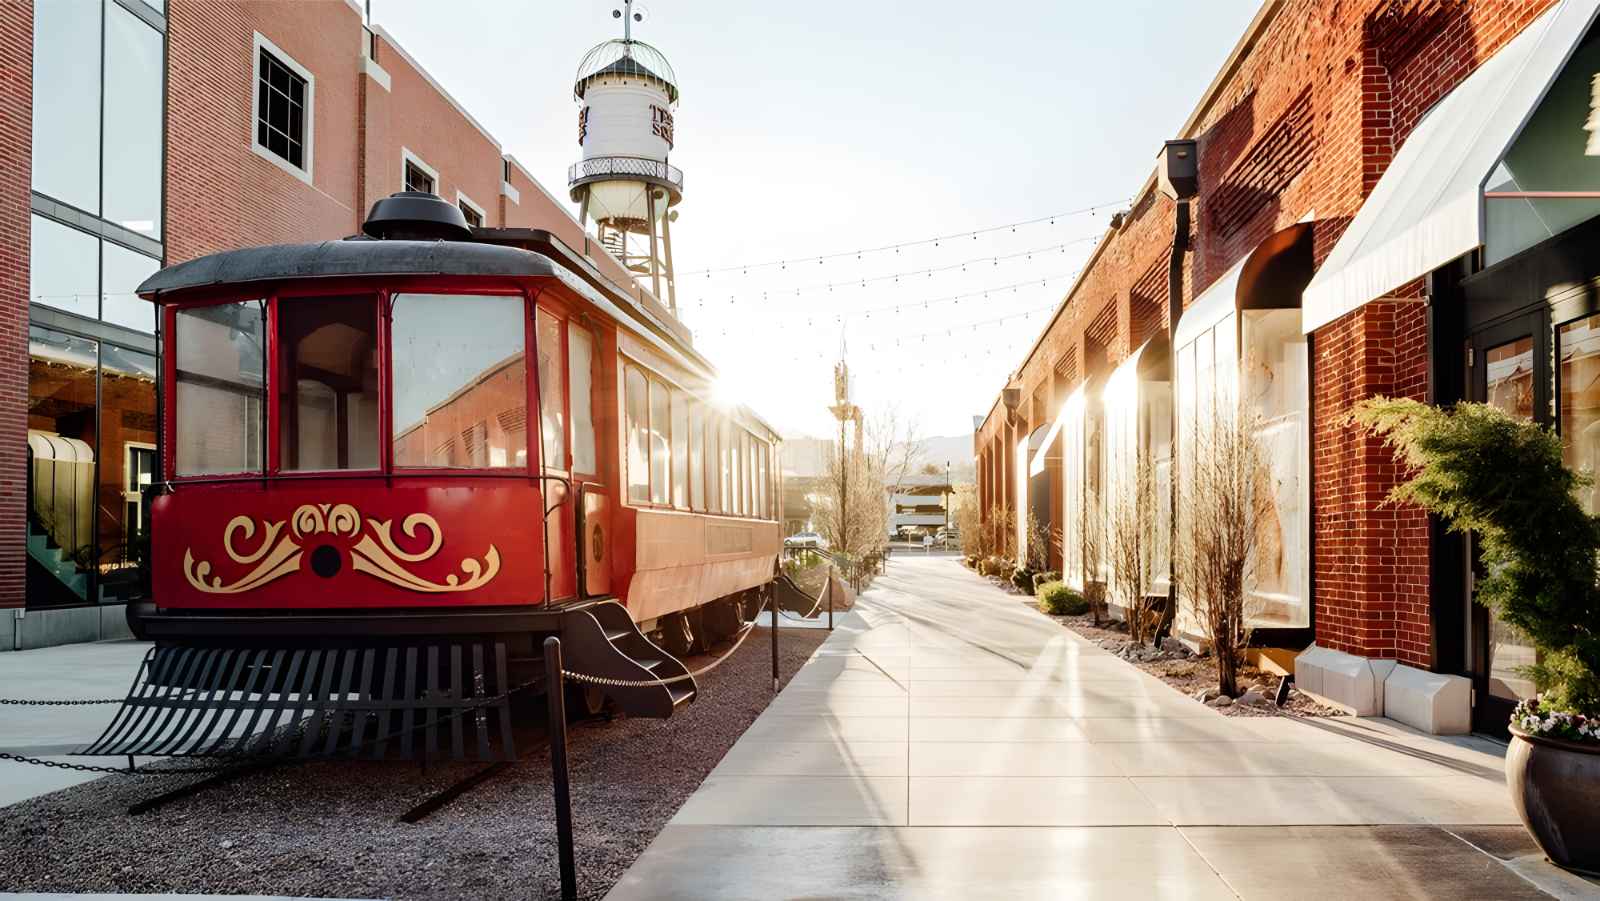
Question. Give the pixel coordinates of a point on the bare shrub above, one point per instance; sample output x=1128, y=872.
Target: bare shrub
x=1132, y=542
x=1092, y=539
x=1223, y=502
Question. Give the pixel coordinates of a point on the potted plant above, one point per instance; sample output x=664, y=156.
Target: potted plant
x=1503, y=479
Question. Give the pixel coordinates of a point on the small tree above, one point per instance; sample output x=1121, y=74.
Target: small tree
x=1503, y=479
x=1131, y=547
x=1223, y=499
x=1041, y=538
x=1092, y=541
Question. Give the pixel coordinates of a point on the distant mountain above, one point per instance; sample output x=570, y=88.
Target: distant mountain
x=955, y=450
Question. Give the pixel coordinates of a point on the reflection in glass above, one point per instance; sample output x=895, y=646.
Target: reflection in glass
x=62, y=269
x=61, y=457
x=580, y=366
x=637, y=395
x=1510, y=388
x=1510, y=377
x=122, y=271
x=552, y=419
x=132, y=123
x=460, y=381
x=1580, y=403
x=680, y=449
x=327, y=356
x=697, y=454
x=66, y=102
x=127, y=466
x=221, y=388
x=713, y=463
x=660, y=450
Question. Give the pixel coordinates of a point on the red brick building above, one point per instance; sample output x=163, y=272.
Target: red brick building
x=1391, y=197
x=140, y=133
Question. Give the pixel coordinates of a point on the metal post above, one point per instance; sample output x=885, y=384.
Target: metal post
x=830, y=597
x=774, y=605
x=557, y=703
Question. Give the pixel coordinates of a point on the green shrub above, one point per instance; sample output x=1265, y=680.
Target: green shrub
x=1022, y=578
x=1503, y=479
x=1040, y=578
x=1056, y=599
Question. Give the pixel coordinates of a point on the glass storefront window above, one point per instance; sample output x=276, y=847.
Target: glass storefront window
x=328, y=383
x=1510, y=377
x=1579, y=344
x=132, y=127
x=61, y=456
x=121, y=272
x=460, y=381
x=127, y=466
x=220, y=395
x=1549, y=179
x=66, y=101
x=62, y=269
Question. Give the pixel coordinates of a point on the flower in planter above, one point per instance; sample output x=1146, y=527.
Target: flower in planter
x=1532, y=719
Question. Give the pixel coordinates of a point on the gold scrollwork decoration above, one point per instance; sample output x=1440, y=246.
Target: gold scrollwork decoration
x=375, y=554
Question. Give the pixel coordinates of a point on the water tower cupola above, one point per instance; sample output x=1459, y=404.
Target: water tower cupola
x=625, y=184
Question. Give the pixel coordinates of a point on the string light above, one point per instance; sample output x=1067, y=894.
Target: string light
x=745, y=268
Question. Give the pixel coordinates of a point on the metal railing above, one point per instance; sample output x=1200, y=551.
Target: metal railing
x=613, y=166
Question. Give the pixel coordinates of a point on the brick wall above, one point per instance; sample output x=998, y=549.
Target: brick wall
x=16, y=175
x=1305, y=119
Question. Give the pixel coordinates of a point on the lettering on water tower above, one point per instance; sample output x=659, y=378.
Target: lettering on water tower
x=583, y=124
x=661, y=123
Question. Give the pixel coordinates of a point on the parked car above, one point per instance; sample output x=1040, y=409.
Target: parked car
x=948, y=538
x=806, y=540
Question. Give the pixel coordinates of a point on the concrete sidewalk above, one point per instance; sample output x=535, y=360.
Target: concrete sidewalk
x=102, y=669
x=1053, y=769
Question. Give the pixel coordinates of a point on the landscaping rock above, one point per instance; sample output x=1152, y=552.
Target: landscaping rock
x=1252, y=698
x=1174, y=646
x=1207, y=695
x=1220, y=701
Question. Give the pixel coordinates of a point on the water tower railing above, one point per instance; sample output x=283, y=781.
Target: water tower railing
x=613, y=166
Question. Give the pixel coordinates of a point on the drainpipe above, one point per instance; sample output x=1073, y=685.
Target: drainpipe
x=1178, y=177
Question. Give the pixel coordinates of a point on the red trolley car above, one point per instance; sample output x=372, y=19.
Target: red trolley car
x=433, y=431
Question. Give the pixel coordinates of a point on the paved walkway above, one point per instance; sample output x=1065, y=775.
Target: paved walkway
x=102, y=669
x=948, y=742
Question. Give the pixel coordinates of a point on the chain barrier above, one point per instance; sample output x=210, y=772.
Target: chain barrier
x=113, y=770
x=31, y=702
x=646, y=683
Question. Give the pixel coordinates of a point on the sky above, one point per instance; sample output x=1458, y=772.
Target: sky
x=814, y=134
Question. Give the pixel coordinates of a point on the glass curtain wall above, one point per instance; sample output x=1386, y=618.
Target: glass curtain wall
x=96, y=233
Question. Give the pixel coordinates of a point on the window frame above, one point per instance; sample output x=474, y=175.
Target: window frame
x=385, y=298
x=410, y=158
x=261, y=43
x=464, y=203
x=564, y=465
x=567, y=331
x=381, y=310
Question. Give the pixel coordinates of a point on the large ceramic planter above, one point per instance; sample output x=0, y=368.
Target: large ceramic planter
x=1555, y=786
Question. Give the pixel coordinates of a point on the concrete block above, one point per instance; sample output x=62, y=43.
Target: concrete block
x=1432, y=702
x=1350, y=683
x=8, y=630
x=114, y=622
x=48, y=628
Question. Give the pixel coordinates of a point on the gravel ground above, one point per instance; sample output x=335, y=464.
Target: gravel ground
x=332, y=829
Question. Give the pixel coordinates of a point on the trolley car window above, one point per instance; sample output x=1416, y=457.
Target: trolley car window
x=636, y=394
x=660, y=449
x=697, y=454
x=460, y=381
x=580, y=388
x=327, y=391
x=763, y=508
x=680, y=449
x=552, y=392
x=713, y=464
x=220, y=392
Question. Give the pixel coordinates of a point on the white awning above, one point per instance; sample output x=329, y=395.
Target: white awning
x=1211, y=307
x=1426, y=210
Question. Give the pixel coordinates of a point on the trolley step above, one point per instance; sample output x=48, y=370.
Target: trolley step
x=602, y=640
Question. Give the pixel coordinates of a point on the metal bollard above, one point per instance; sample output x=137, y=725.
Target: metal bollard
x=774, y=606
x=555, y=687
x=830, y=599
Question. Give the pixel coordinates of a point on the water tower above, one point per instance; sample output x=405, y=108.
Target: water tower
x=627, y=91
